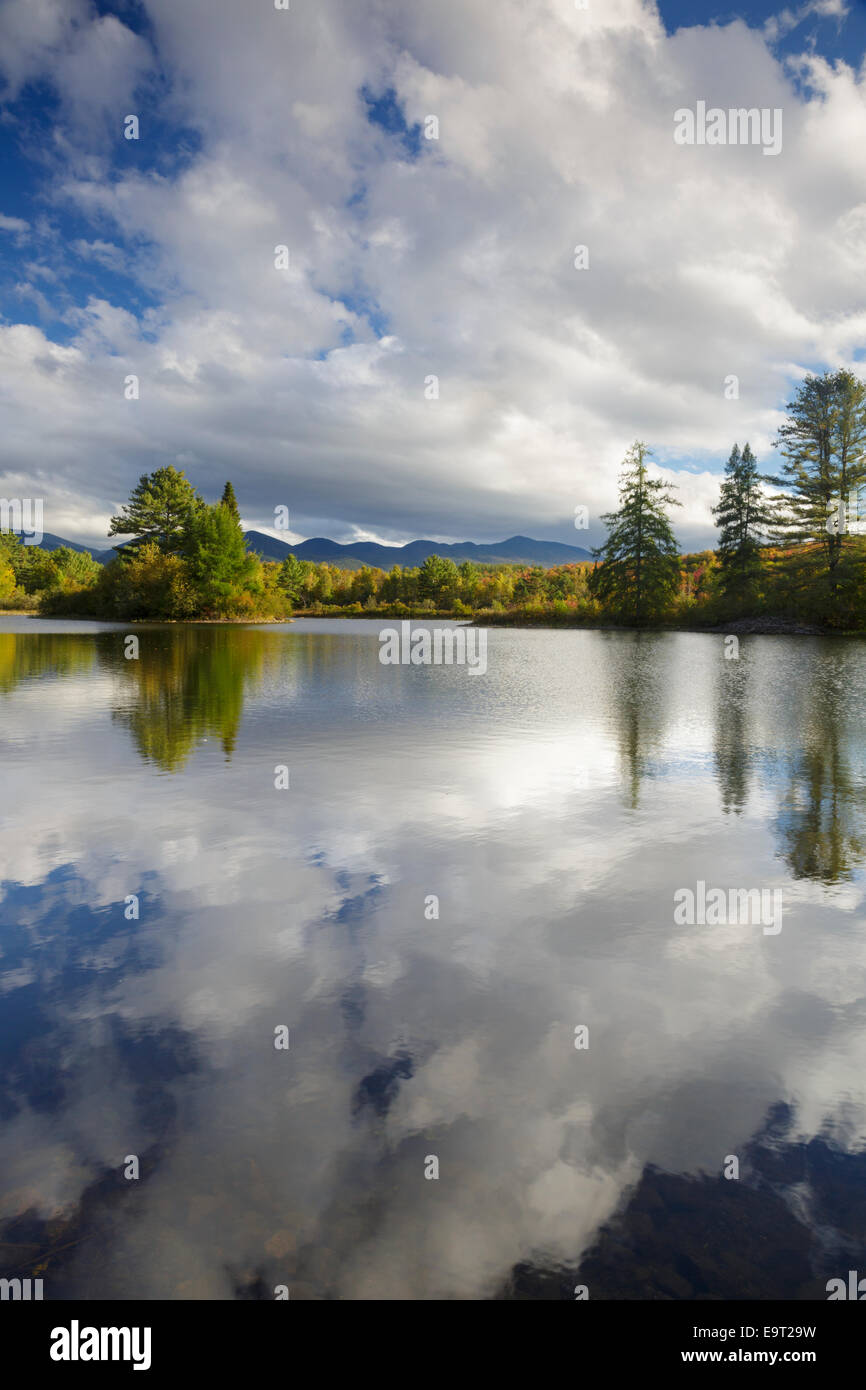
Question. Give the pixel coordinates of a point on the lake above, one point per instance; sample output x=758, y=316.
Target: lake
x=510, y=1073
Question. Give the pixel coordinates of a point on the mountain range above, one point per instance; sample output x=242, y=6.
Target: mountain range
x=517, y=550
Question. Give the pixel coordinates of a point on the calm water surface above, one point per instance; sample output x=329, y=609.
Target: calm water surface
x=553, y=806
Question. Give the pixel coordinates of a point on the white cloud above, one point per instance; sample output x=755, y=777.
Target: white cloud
x=555, y=129
x=13, y=224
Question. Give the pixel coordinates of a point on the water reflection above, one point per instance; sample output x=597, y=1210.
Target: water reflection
x=187, y=684
x=638, y=705
x=733, y=734
x=413, y=1035
x=702, y=1237
x=51, y=655
x=821, y=814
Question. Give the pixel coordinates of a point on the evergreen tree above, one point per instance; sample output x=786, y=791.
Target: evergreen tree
x=393, y=585
x=469, y=580
x=229, y=500
x=438, y=580
x=158, y=510
x=823, y=444
x=743, y=515
x=218, y=562
x=639, y=567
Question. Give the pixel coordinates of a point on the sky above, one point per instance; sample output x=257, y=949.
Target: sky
x=430, y=357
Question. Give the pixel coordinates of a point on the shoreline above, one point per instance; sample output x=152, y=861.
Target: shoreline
x=144, y=622
x=738, y=627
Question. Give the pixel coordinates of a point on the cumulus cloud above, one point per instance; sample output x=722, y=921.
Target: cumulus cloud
x=411, y=258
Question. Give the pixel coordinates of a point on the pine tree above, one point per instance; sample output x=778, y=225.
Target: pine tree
x=469, y=580
x=438, y=580
x=639, y=569
x=743, y=516
x=229, y=500
x=823, y=444
x=158, y=510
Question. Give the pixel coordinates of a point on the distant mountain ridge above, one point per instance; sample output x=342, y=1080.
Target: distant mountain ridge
x=516, y=550
x=50, y=542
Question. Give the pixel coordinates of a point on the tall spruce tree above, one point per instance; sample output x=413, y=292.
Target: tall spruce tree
x=743, y=516
x=823, y=445
x=229, y=500
x=639, y=569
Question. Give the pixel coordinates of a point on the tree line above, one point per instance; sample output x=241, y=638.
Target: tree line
x=787, y=551
x=778, y=551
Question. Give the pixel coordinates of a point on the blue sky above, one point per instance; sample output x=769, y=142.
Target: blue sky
x=431, y=362
x=835, y=34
